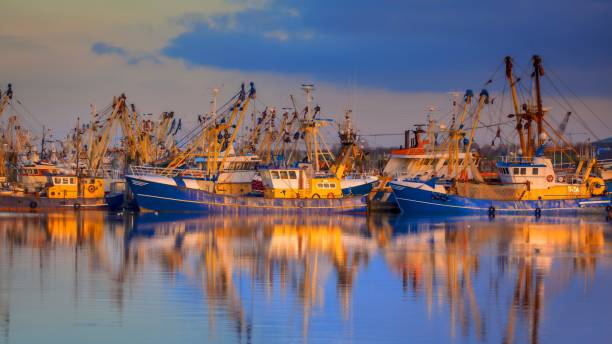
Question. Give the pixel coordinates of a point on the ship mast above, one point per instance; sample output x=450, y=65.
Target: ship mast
x=527, y=142
x=517, y=111
x=538, y=71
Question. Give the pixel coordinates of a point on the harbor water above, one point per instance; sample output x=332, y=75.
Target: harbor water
x=91, y=277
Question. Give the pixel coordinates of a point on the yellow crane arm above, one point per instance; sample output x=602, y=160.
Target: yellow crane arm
x=483, y=99
x=238, y=123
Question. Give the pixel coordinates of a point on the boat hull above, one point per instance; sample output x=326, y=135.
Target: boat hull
x=153, y=194
x=358, y=186
x=420, y=198
x=44, y=204
x=384, y=201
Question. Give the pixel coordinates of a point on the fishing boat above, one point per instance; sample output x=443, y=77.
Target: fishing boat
x=528, y=181
x=30, y=183
x=219, y=188
x=421, y=157
x=349, y=156
x=61, y=193
x=528, y=186
x=34, y=177
x=282, y=194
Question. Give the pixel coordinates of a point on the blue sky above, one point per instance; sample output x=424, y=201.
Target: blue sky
x=387, y=60
x=405, y=45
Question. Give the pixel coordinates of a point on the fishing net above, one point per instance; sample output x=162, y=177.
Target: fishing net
x=491, y=191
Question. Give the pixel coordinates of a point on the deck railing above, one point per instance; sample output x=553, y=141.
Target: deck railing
x=514, y=159
x=170, y=172
x=103, y=173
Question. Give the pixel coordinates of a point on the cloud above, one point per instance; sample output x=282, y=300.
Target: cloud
x=401, y=57
x=101, y=48
x=407, y=45
x=278, y=35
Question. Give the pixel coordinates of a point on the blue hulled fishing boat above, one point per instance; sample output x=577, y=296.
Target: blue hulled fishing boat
x=527, y=182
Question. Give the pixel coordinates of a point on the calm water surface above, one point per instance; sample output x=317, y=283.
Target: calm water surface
x=95, y=278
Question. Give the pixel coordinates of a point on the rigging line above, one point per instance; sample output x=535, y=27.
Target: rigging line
x=523, y=89
x=189, y=136
x=488, y=126
x=569, y=105
x=577, y=115
x=27, y=111
x=492, y=77
x=579, y=99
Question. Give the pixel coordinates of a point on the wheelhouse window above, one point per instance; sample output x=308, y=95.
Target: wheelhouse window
x=274, y=174
x=292, y=175
x=535, y=171
x=284, y=175
x=523, y=171
x=516, y=170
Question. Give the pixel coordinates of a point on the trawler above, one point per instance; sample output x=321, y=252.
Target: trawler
x=421, y=157
x=40, y=185
x=62, y=192
x=219, y=188
x=528, y=181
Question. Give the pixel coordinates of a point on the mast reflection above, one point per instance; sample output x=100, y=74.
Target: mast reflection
x=444, y=260
x=491, y=278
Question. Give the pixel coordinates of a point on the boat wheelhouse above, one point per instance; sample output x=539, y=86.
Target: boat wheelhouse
x=299, y=183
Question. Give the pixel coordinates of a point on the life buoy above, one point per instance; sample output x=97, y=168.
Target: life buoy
x=330, y=195
x=596, y=186
x=91, y=188
x=316, y=196
x=33, y=205
x=549, y=178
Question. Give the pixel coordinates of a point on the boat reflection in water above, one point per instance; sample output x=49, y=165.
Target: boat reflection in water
x=278, y=279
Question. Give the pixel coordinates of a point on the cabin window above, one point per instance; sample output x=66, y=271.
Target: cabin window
x=56, y=180
x=535, y=171
x=320, y=186
x=516, y=170
x=71, y=180
x=284, y=175
x=325, y=185
x=274, y=174
x=292, y=175
x=333, y=186
x=64, y=180
x=523, y=171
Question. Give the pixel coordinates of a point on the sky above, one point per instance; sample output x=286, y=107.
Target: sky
x=387, y=60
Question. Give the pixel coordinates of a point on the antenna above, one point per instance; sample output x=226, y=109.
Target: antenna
x=213, y=102
x=308, y=88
